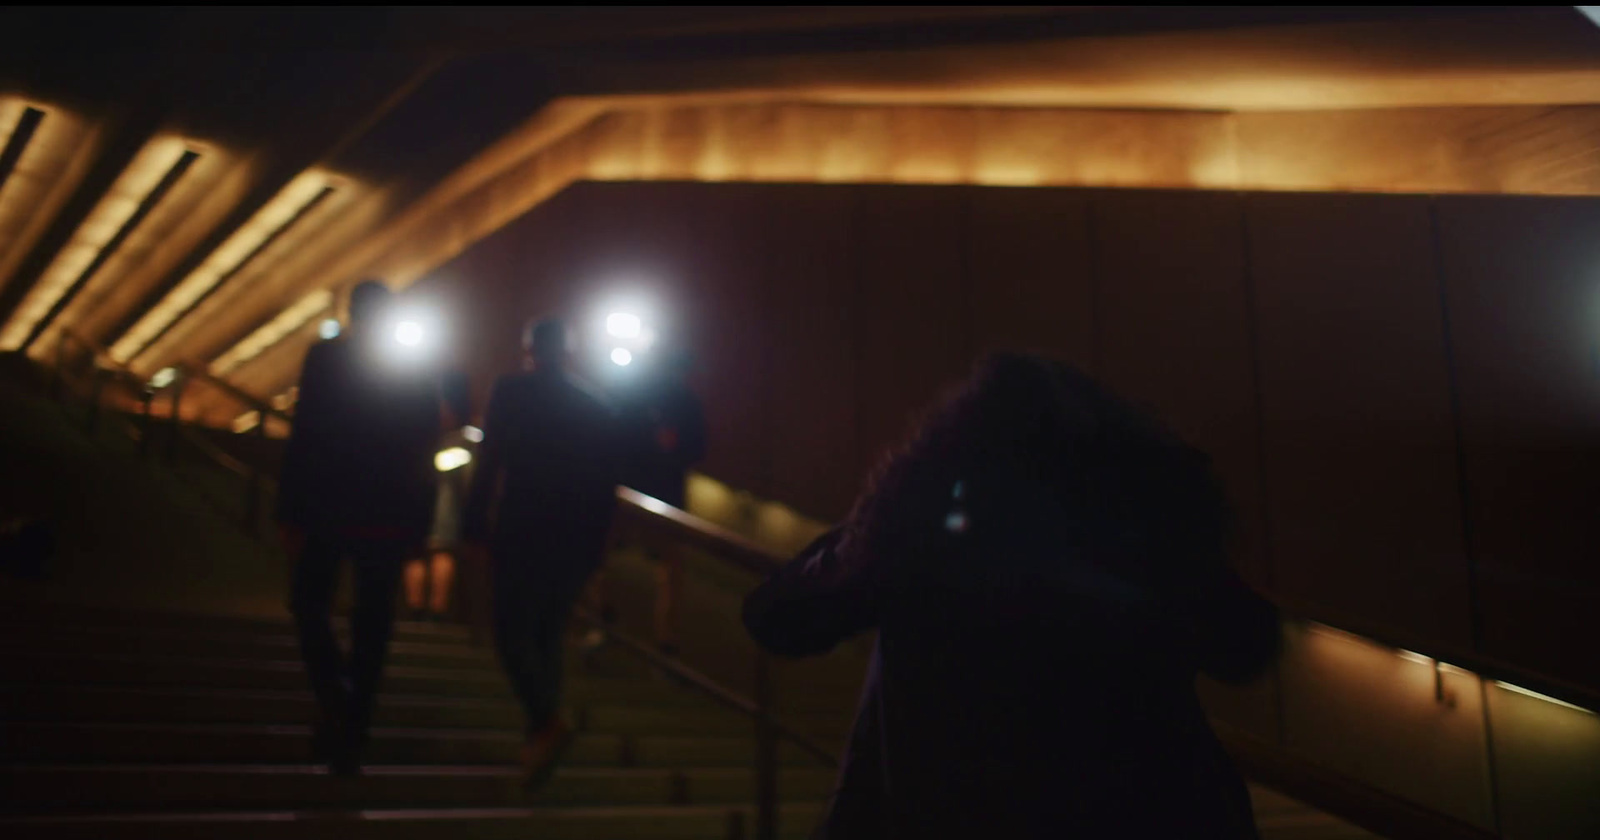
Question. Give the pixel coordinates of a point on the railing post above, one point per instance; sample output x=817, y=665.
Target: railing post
x=147, y=399
x=176, y=419
x=252, y=497
x=93, y=423
x=766, y=752
x=59, y=385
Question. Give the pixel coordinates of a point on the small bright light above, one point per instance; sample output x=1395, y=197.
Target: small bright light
x=453, y=458
x=246, y=421
x=623, y=325
x=164, y=377
x=329, y=329
x=621, y=357
x=408, y=333
x=472, y=433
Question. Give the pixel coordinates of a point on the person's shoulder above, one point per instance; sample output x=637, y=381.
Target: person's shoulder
x=328, y=354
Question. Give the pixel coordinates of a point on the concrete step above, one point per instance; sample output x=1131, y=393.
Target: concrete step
x=677, y=711
x=549, y=823
x=128, y=641
x=221, y=672
x=66, y=789
x=55, y=743
x=27, y=616
x=604, y=681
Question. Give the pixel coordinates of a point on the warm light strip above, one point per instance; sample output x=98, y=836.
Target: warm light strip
x=273, y=331
x=1517, y=689
x=228, y=257
x=246, y=421
x=11, y=111
x=115, y=208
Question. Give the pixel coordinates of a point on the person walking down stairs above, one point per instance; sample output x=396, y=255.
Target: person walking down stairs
x=357, y=483
x=548, y=467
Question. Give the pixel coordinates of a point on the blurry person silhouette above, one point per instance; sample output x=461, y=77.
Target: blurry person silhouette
x=547, y=471
x=1045, y=567
x=665, y=430
x=430, y=577
x=357, y=484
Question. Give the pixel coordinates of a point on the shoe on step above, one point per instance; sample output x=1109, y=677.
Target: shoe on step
x=542, y=753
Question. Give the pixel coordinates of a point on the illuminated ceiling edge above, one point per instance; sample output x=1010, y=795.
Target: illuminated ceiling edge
x=565, y=119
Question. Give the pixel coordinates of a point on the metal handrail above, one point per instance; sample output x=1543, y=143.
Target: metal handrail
x=257, y=482
x=707, y=685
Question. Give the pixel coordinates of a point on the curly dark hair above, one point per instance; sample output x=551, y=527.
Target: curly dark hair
x=1024, y=425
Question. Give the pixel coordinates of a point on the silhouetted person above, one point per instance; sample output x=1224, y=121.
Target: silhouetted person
x=548, y=465
x=357, y=484
x=666, y=432
x=1045, y=568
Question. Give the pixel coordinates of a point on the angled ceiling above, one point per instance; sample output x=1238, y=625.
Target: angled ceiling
x=194, y=185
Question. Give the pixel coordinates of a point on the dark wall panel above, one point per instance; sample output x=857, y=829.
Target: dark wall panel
x=810, y=327
x=1523, y=282
x=1028, y=269
x=913, y=327
x=1173, y=331
x=722, y=291
x=1359, y=441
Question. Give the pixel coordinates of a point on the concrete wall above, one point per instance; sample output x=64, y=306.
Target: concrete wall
x=1401, y=391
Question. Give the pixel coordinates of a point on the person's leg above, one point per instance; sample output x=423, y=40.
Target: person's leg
x=378, y=571
x=316, y=578
x=442, y=576
x=416, y=585
x=549, y=735
x=515, y=621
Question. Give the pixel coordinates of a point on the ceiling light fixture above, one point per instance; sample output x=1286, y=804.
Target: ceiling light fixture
x=147, y=178
x=308, y=189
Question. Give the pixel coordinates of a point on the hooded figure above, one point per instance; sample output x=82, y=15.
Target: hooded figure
x=1045, y=568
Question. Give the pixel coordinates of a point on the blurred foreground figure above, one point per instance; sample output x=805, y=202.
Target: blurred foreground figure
x=357, y=483
x=1045, y=568
x=548, y=467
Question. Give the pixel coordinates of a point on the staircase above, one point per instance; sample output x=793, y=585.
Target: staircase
x=168, y=726
x=176, y=727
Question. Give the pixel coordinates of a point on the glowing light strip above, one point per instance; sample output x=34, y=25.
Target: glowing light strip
x=227, y=258
x=273, y=331
x=11, y=110
x=246, y=421
x=1526, y=692
x=12, y=113
x=116, y=207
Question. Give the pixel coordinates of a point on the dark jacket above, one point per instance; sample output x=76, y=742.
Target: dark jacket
x=1019, y=687
x=360, y=454
x=548, y=463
